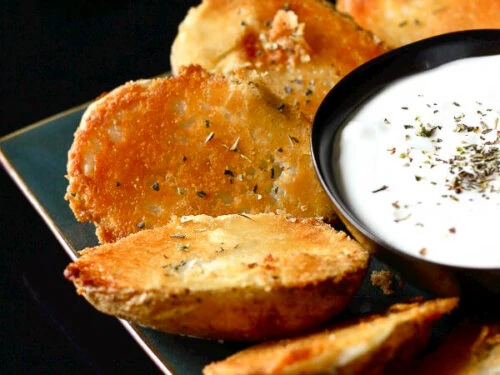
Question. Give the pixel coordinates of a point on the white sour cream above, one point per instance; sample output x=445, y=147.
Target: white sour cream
x=419, y=163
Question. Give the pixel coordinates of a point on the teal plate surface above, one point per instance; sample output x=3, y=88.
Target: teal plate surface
x=35, y=157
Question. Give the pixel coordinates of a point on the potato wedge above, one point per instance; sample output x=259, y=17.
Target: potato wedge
x=399, y=22
x=298, y=48
x=472, y=348
x=237, y=277
x=368, y=346
x=198, y=143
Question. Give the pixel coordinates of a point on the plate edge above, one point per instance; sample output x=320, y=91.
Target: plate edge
x=14, y=175
x=44, y=121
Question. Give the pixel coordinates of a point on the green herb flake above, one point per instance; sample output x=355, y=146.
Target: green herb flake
x=402, y=219
x=246, y=216
x=382, y=188
x=184, y=247
x=178, y=266
x=422, y=131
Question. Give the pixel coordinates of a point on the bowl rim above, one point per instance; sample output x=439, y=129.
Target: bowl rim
x=361, y=84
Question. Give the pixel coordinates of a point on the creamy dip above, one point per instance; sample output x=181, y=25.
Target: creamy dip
x=419, y=163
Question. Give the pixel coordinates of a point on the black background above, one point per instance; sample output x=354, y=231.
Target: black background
x=54, y=55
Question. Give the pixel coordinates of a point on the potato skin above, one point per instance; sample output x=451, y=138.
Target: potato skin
x=233, y=314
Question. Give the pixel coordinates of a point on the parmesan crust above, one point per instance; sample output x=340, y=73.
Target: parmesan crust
x=368, y=346
x=399, y=22
x=238, y=277
x=299, y=49
x=198, y=143
x=472, y=348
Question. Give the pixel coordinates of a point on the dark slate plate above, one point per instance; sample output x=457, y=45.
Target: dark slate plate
x=35, y=157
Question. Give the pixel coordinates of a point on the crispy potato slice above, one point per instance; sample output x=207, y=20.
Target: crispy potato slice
x=238, y=277
x=365, y=347
x=399, y=22
x=298, y=48
x=194, y=144
x=472, y=348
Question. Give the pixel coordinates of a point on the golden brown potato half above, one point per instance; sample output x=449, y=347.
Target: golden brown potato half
x=399, y=22
x=471, y=349
x=194, y=144
x=367, y=347
x=298, y=48
x=237, y=277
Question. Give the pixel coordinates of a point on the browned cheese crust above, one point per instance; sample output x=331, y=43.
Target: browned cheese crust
x=194, y=144
x=298, y=48
x=471, y=349
x=369, y=346
x=239, y=277
x=399, y=22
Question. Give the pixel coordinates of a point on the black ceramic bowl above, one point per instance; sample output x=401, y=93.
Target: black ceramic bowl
x=353, y=91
